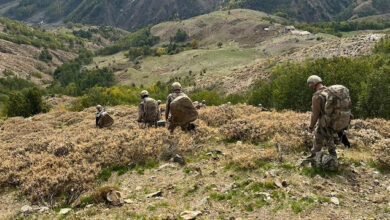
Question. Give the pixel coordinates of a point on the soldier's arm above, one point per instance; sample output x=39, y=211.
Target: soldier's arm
x=140, y=112
x=168, y=107
x=316, y=111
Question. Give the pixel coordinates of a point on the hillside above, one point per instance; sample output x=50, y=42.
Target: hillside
x=131, y=15
x=239, y=166
x=251, y=44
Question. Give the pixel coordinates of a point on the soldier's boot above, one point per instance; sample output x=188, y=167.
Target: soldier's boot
x=308, y=159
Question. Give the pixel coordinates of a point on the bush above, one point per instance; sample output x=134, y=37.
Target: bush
x=140, y=38
x=45, y=56
x=26, y=103
x=180, y=36
x=365, y=77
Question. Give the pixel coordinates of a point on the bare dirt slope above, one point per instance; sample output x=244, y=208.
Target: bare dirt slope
x=239, y=166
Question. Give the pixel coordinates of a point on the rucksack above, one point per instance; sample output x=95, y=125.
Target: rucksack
x=151, y=110
x=337, y=108
x=183, y=110
x=105, y=120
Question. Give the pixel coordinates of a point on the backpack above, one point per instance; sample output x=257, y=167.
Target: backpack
x=105, y=120
x=337, y=108
x=183, y=111
x=151, y=110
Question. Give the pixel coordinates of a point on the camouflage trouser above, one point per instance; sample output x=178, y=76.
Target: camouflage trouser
x=324, y=137
x=172, y=126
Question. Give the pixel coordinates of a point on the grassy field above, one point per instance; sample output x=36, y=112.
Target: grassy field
x=214, y=62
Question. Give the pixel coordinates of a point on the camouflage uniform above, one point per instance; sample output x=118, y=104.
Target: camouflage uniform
x=99, y=115
x=170, y=99
x=142, y=111
x=323, y=136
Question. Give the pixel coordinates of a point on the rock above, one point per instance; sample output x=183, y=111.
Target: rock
x=388, y=188
x=26, y=209
x=229, y=187
x=138, y=188
x=65, y=211
x=376, y=182
x=239, y=142
x=43, y=209
x=189, y=215
x=267, y=196
x=114, y=197
x=166, y=166
x=179, y=159
x=278, y=184
x=128, y=201
x=335, y=200
x=376, y=198
x=203, y=201
x=155, y=194
x=89, y=206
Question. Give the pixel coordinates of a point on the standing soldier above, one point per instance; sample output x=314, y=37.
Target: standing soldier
x=148, y=110
x=331, y=112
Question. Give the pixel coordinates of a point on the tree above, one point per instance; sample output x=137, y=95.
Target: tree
x=180, y=36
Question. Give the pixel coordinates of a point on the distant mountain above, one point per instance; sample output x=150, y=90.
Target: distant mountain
x=134, y=14
x=126, y=14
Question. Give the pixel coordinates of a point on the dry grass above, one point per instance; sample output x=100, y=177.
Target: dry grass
x=61, y=153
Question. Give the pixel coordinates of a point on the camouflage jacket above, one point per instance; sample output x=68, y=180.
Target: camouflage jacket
x=317, y=108
x=170, y=99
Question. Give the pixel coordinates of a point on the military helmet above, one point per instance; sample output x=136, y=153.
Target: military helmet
x=159, y=102
x=313, y=80
x=99, y=107
x=144, y=93
x=203, y=101
x=176, y=86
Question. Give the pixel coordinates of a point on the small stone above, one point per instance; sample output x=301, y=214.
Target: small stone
x=278, y=184
x=89, y=206
x=376, y=182
x=166, y=166
x=239, y=142
x=128, y=201
x=65, y=211
x=138, y=188
x=26, y=209
x=189, y=215
x=43, y=209
x=267, y=196
x=155, y=194
x=335, y=200
x=203, y=201
x=114, y=197
x=179, y=159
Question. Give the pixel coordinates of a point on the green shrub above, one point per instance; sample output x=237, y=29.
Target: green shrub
x=45, y=56
x=26, y=103
x=180, y=36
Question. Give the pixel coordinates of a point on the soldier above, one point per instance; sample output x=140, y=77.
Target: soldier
x=196, y=105
x=148, y=110
x=176, y=88
x=99, y=114
x=203, y=104
x=331, y=114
